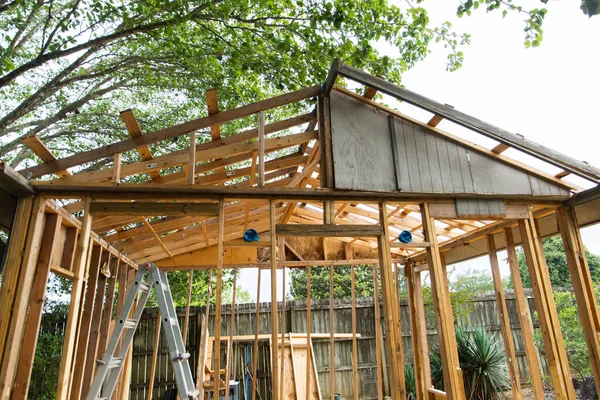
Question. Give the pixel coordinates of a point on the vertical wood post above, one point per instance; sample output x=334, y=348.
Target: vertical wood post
x=86, y=321
x=274, y=317
x=90, y=362
x=108, y=307
x=583, y=286
x=22, y=290
x=155, y=357
x=443, y=310
x=217, y=327
x=419, y=332
x=12, y=266
x=203, y=350
x=390, y=310
x=79, y=267
x=377, y=332
x=192, y=160
x=531, y=353
x=116, y=172
x=509, y=347
x=255, y=344
x=36, y=306
x=546, y=308
x=354, y=344
x=261, y=149
x=308, y=339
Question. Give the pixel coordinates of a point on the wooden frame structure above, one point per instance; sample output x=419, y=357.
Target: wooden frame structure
x=289, y=180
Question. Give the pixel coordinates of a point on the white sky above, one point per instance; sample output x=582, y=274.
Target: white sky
x=548, y=94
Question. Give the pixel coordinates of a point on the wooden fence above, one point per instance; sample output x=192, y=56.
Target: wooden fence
x=484, y=314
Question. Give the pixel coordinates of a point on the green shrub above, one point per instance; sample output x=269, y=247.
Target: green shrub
x=483, y=365
x=409, y=382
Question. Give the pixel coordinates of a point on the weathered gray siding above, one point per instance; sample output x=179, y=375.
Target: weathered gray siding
x=375, y=151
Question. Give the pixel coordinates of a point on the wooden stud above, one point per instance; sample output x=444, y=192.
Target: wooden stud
x=583, y=286
x=134, y=130
x=69, y=249
x=186, y=319
x=274, y=322
x=217, y=326
x=281, y=256
x=36, y=305
x=308, y=333
x=331, y=335
x=251, y=181
x=418, y=331
x=86, y=321
x=261, y=149
x=391, y=317
x=79, y=267
x=192, y=161
x=108, y=307
x=546, y=309
x=230, y=358
x=95, y=326
x=443, y=310
x=12, y=267
x=354, y=344
x=255, y=345
x=377, y=332
x=155, y=357
x=509, y=346
x=17, y=320
x=531, y=354
x=116, y=177
x=203, y=351
x=156, y=237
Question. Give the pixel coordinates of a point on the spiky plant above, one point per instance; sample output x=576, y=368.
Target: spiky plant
x=409, y=382
x=483, y=365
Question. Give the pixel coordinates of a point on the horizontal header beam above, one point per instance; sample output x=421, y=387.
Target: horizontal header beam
x=154, y=209
x=306, y=230
x=510, y=139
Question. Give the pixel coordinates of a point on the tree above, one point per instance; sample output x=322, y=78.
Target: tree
x=67, y=67
x=342, y=282
x=557, y=264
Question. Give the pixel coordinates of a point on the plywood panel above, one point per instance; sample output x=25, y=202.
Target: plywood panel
x=426, y=162
x=362, y=146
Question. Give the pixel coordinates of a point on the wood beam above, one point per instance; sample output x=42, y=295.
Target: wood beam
x=168, y=133
x=156, y=237
x=217, y=325
x=585, y=290
x=329, y=230
x=116, y=170
x=39, y=149
x=443, y=310
x=509, y=347
x=274, y=317
x=154, y=209
x=133, y=127
x=531, y=354
x=500, y=148
x=191, y=172
x=545, y=306
x=261, y=149
x=79, y=268
x=36, y=306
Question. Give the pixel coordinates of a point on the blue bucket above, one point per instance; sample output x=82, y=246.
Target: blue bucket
x=251, y=235
x=405, y=237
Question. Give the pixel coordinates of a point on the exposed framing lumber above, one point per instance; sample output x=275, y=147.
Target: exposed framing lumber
x=354, y=343
x=156, y=237
x=546, y=308
x=134, y=130
x=274, y=318
x=168, y=133
x=217, y=328
x=395, y=356
x=109, y=305
x=186, y=318
x=230, y=357
x=155, y=358
x=39, y=149
x=518, y=142
x=261, y=149
x=509, y=347
x=203, y=350
x=582, y=284
x=116, y=177
x=377, y=333
x=309, y=230
x=443, y=311
x=16, y=318
x=531, y=354
x=308, y=331
x=36, y=305
x=79, y=268
x=331, y=333
x=191, y=171
x=255, y=345
x=142, y=208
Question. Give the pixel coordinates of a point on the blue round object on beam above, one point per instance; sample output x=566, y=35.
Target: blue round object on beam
x=251, y=235
x=405, y=237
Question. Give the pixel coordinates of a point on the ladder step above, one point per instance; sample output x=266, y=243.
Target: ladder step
x=130, y=323
x=144, y=287
x=182, y=356
x=115, y=362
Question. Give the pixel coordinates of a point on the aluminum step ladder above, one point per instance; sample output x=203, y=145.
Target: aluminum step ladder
x=111, y=364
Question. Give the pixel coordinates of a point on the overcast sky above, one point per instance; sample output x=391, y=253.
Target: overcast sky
x=548, y=94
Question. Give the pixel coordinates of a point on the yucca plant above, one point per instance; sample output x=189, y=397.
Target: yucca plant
x=409, y=382
x=483, y=365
